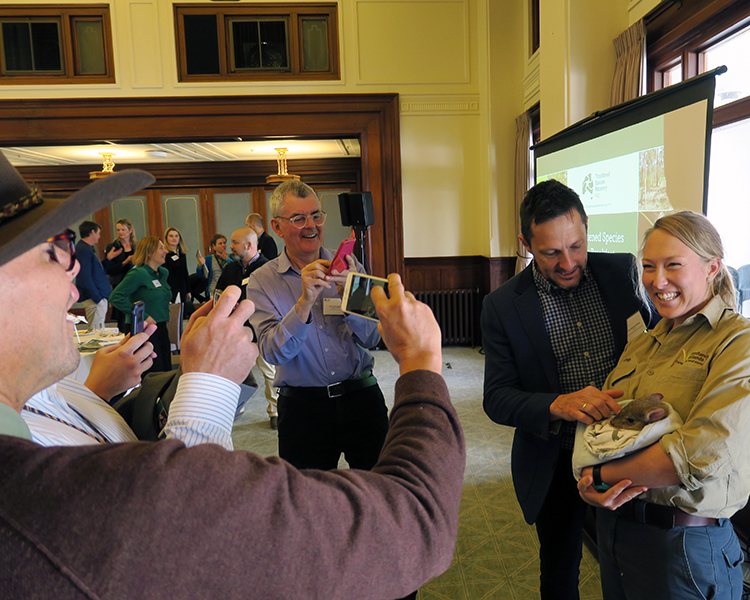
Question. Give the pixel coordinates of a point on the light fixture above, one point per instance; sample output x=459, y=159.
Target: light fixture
x=108, y=166
x=283, y=174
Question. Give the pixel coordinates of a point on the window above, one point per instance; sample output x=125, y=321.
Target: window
x=734, y=53
x=533, y=26
x=684, y=41
x=261, y=42
x=671, y=75
x=55, y=44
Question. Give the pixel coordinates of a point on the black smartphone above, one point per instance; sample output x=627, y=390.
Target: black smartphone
x=137, y=314
x=356, y=300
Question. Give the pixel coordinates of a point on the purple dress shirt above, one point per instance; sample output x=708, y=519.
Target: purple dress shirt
x=328, y=349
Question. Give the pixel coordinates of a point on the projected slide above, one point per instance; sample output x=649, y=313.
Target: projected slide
x=628, y=178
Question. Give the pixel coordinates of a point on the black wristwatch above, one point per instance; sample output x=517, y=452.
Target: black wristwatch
x=599, y=485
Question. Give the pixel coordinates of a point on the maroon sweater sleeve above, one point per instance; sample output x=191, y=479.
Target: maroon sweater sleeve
x=164, y=521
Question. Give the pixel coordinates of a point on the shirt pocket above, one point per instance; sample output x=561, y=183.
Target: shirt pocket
x=680, y=386
x=619, y=378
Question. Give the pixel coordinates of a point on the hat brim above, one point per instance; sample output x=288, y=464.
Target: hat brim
x=52, y=217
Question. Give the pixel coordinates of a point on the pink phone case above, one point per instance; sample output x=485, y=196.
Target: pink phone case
x=339, y=260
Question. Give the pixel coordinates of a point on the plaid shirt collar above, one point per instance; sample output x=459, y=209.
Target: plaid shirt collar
x=545, y=286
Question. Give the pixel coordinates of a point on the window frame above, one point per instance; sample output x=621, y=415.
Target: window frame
x=677, y=33
x=66, y=15
x=534, y=26
x=292, y=13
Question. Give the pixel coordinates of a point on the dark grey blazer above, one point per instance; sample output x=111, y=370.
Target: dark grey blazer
x=520, y=375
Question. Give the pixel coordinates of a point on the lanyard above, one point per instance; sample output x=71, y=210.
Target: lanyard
x=102, y=439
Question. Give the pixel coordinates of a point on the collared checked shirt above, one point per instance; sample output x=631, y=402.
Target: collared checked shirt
x=702, y=368
x=328, y=349
x=581, y=335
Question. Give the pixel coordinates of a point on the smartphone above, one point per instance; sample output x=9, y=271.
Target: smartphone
x=357, y=299
x=346, y=247
x=198, y=254
x=137, y=314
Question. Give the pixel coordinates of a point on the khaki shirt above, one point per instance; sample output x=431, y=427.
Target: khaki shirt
x=702, y=368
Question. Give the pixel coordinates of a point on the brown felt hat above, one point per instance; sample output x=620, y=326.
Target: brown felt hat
x=28, y=219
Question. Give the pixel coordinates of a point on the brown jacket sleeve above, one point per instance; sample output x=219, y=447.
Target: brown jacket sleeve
x=158, y=520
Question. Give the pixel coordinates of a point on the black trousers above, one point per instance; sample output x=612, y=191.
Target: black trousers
x=560, y=530
x=314, y=432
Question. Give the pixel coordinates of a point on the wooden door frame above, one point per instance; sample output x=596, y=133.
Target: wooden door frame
x=373, y=118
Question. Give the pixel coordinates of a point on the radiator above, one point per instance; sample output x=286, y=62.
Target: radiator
x=455, y=311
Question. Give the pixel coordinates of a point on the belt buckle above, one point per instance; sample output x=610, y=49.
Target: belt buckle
x=332, y=394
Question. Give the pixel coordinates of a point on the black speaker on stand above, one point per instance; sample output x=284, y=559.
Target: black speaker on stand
x=357, y=212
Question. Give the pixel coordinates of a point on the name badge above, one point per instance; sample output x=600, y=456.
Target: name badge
x=246, y=281
x=332, y=306
x=175, y=257
x=636, y=326
x=156, y=282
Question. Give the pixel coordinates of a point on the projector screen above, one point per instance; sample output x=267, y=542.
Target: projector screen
x=635, y=162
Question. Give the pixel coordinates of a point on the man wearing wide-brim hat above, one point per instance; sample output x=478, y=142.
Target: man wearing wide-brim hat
x=160, y=520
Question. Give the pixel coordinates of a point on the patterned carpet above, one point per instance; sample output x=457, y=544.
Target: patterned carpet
x=496, y=553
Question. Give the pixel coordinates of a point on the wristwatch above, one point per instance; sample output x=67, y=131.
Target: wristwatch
x=599, y=485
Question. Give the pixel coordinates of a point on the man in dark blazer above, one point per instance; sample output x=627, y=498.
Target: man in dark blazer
x=266, y=244
x=551, y=335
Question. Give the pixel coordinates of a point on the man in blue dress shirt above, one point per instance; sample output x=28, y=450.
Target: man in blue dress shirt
x=92, y=282
x=329, y=401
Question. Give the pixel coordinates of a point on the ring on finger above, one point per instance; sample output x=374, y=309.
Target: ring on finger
x=583, y=408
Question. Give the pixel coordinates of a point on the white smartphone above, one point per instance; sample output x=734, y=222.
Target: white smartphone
x=357, y=299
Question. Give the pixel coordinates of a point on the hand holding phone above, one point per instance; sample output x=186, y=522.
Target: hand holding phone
x=357, y=300
x=137, y=316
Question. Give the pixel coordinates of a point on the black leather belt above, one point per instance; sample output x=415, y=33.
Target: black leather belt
x=330, y=391
x=665, y=517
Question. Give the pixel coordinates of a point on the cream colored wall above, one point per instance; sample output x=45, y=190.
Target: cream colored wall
x=577, y=58
x=462, y=70
x=509, y=60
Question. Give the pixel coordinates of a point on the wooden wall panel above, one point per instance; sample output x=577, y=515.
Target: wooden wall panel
x=458, y=273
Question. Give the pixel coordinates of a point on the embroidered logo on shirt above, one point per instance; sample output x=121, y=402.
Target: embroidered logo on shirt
x=695, y=358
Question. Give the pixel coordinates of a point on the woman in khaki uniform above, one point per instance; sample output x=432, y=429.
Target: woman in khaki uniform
x=675, y=540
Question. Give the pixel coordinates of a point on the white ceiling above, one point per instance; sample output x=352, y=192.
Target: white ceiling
x=39, y=156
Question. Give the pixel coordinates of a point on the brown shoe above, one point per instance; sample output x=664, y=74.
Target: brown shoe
x=274, y=422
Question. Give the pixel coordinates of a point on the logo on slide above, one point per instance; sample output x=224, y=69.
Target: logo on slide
x=587, y=187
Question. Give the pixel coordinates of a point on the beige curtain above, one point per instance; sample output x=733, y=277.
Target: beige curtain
x=522, y=180
x=630, y=67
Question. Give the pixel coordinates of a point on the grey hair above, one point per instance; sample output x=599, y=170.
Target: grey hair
x=697, y=233
x=299, y=189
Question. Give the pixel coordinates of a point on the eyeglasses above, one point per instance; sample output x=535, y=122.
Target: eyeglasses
x=62, y=249
x=299, y=221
